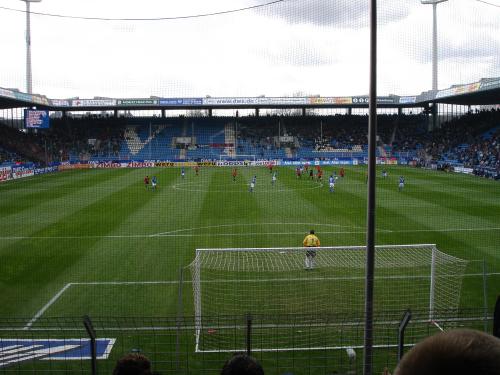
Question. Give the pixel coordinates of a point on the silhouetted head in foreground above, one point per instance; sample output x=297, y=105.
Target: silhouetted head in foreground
x=133, y=364
x=457, y=352
x=242, y=364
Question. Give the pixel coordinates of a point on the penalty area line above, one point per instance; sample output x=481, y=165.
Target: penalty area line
x=46, y=306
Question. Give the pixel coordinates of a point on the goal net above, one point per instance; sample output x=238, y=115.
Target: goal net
x=273, y=286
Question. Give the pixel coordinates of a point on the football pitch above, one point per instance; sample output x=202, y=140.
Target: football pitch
x=99, y=242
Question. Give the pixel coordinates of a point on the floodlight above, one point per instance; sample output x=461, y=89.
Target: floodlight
x=28, y=45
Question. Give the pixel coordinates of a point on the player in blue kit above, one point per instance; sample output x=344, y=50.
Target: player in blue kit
x=273, y=179
x=331, y=182
x=153, y=183
x=252, y=183
x=183, y=172
x=401, y=183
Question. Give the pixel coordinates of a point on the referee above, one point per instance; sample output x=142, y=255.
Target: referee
x=310, y=241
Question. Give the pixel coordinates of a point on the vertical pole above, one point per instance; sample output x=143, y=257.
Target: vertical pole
x=249, y=334
x=93, y=347
x=180, y=318
x=432, y=284
x=434, y=48
x=29, y=87
x=197, y=297
x=321, y=131
x=370, y=230
x=401, y=333
x=485, y=295
x=279, y=133
x=236, y=137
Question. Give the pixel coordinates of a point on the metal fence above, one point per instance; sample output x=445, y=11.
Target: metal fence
x=287, y=344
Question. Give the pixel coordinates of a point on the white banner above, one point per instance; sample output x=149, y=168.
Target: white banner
x=463, y=170
x=256, y=101
x=60, y=102
x=21, y=173
x=93, y=102
x=286, y=139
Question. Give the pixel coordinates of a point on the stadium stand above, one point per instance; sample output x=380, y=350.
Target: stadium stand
x=471, y=140
x=18, y=147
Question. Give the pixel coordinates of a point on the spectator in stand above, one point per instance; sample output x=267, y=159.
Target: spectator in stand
x=457, y=352
x=242, y=364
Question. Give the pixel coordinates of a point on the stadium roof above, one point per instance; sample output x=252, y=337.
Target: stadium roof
x=484, y=92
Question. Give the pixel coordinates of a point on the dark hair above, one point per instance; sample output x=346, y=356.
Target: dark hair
x=133, y=364
x=457, y=352
x=242, y=364
x=311, y=231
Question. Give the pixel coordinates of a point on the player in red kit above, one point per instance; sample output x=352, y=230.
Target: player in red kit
x=320, y=174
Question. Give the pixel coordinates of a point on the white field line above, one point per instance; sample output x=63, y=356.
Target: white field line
x=15, y=238
x=176, y=282
x=257, y=225
x=222, y=281
x=47, y=305
x=378, y=346
x=438, y=326
x=127, y=282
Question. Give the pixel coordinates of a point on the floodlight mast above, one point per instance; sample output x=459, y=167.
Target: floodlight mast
x=434, y=41
x=29, y=85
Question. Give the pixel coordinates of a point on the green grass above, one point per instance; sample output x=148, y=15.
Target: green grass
x=95, y=229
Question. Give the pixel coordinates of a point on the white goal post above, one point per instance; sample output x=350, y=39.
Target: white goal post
x=269, y=283
x=237, y=157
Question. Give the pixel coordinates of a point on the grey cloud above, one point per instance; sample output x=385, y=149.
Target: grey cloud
x=473, y=50
x=335, y=13
x=449, y=50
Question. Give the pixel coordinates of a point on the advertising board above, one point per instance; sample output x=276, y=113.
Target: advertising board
x=5, y=173
x=60, y=102
x=331, y=100
x=36, y=119
x=136, y=102
x=181, y=101
x=407, y=99
x=93, y=102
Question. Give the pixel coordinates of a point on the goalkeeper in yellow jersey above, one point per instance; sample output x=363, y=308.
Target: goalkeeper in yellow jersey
x=310, y=241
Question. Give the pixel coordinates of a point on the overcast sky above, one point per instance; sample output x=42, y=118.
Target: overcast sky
x=294, y=46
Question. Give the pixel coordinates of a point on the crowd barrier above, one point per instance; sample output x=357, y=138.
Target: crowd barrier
x=92, y=345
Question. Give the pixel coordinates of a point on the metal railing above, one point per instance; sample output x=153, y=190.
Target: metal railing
x=290, y=344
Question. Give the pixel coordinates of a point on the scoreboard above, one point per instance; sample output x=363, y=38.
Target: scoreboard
x=36, y=119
